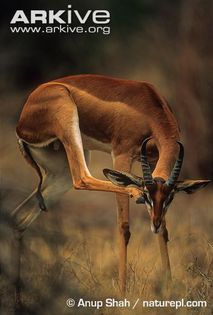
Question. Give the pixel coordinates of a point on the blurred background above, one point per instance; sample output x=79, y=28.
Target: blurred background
x=71, y=251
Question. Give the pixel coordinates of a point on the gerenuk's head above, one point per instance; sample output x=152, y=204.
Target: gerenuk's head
x=156, y=193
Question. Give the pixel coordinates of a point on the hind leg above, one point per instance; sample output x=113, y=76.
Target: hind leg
x=57, y=181
x=58, y=118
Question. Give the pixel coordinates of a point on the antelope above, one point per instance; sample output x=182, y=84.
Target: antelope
x=64, y=119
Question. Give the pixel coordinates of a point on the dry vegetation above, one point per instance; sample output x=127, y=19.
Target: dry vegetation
x=71, y=250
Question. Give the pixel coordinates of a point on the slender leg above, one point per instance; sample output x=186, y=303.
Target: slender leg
x=163, y=240
x=123, y=163
x=56, y=182
x=29, y=210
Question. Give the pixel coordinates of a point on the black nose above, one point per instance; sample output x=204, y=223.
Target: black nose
x=157, y=224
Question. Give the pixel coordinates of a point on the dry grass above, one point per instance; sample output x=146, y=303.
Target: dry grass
x=77, y=257
x=71, y=251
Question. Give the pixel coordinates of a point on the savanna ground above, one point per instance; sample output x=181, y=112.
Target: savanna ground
x=71, y=251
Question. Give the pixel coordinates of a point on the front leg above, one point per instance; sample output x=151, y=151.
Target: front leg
x=70, y=136
x=163, y=240
x=123, y=163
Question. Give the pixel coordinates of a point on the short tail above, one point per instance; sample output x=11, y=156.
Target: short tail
x=28, y=156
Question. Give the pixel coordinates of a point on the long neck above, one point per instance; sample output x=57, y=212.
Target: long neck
x=168, y=151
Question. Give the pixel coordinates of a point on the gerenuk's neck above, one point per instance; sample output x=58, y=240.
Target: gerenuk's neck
x=168, y=151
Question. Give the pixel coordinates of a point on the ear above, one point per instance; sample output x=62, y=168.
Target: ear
x=122, y=178
x=191, y=186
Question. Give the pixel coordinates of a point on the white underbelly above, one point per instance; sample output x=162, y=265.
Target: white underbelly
x=93, y=144
x=88, y=144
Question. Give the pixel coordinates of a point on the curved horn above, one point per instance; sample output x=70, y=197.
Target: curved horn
x=177, y=167
x=147, y=176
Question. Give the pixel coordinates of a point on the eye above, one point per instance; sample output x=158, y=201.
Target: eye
x=151, y=202
x=168, y=201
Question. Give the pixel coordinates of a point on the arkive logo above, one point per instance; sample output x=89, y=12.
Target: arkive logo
x=61, y=16
x=64, y=21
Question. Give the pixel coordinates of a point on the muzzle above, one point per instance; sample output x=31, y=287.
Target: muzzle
x=155, y=225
